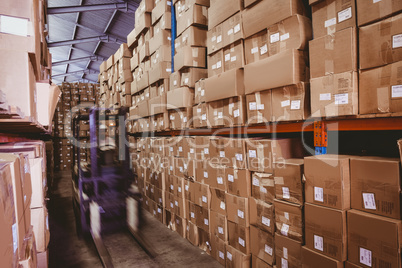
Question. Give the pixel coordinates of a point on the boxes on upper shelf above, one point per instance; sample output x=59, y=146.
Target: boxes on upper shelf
x=214, y=39
x=220, y=10
x=262, y=215
x=262, y=245
x=224, y=85
x=289, y=181
x=256, y=47
x=192, y=37
x=259, y=107
x=287, y=252
x=232, y=30
x=190, y=57
x=196, y=15
x=369, y=12
x=289, y=220
x=312, y=258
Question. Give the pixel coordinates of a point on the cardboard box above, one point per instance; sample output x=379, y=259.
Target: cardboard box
x=334, y=54
x=268, y=74
x=161, y=7
x=234, y=110
x=48, y=96
x=258, y=263
x=235, y=150
x=263, y=187
x=239, y=237
x=215, y=63
x=269, y=12
x=256, y=47
x=288, y=252
x=215, y=39
x=263, y=245
x=372, y=38
x=333, y=190
x=143, y=81
x=180, y=98
x=161, y=38
x=374, y=11
x=215, y=113
x=289, y=181
x=234, y=56
x=291, y=103
x=375, y=184
x=205, y=241
x=220, y=10
x=190, y=57
x=262, y=215
x=193, y=36
x=196, y=15
x=43, y=259
x=334, y=95
x=238, y=210
x=161, y=70
x=200, y=115
x=180, y=226
x=192, y=234
x=326, y=231
x=40, y=223
x=291, y=33
x=232, y=29
x=216, y=176
x=380, y=92
x=218, y=201
x=218, y=223
x=218, y=249
x=175, y=80
x=373, y=240
x=235, y=258
x=199, y=91
x=331, y=16
x=238, y=182
x=225, y=85
x=142, y=23
x=202, y=195
x=163, y=53
x=311, y=258
x=38, y=181
x=289, y=220
x=259, y=107
x=190, y=76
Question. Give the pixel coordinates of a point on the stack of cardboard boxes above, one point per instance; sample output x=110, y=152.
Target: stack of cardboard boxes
x=25, y=234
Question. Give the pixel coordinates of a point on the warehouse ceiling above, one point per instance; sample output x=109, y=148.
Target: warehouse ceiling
x=83, y=33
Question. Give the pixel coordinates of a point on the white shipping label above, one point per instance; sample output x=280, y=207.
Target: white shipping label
x=176, y=203
x=220, y=180
x=263, y=49
x=239, y=157
x=206, y=222
x=192, y=215
x=213, y=39
x=180, y=149
x=241, y=242
x=345, y=14
x=254, y=50
x=265, y=221
x=14, y=231
x=260, y=107
x=227, y=57
x=206, y=151
x=222, y=205
x=181, y=169
x=369, y=201
x=222, y=153
x=191, y=150
x=237, y=28
x=268, y=249
x=319, y=194
x=205, y=174
x=186, y=80
x=256, y=182
x=199, y=111
x=185, y=119
x=376, y=1
x=220, y=230
x=325, y=97
x=219, y=64
x=179, y=188
x=240, y=214
x=295, y=105
x=186, y=187
x=252, y=153
x=252, y=106
x=229, y=255
x=263, y=190
x=202, y=93
x=175, y=82
x=169, y=3
x=318, y=243
x=365, y=257
x=285, y=253
x=204, y=199
x=234, y=58
x=221, y=255
x=171, y=149
x=230, y=178
x=341, y=99
x=284, y=263
x=159, y=211
x=15, y=26
x=285, y=103
x=285, y=192
x=219, y=39
x=171, y=205
x=330, y=22
x=286, y=214
x=171, y=168
x=236, y=113
x=396, y=91
x=285, y=229
x=220, y=115
x=204, y=117
x=285, y=37
x=273, y=38
x=230, y=31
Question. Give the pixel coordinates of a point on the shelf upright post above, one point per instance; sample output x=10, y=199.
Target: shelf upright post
x=320, y=137
x=173, y=18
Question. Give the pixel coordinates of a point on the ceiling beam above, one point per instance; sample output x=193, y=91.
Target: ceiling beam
x=73, y=9
x=102, y=38
x=89, y=58
x=87, y=71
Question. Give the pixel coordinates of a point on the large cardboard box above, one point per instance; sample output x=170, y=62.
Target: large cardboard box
x=268, y=73
x=369, y=12
x=199, y=91
x=193, y=36
x=262, y=245
x=235, y=150
x=215, y=63
x=174, y=80
x=375, y=184
x=263, y=187
x=232, y=29
x=142, y=23
x=239, y=237
x=259, y=107
x=334, y=54
x=289, y=181
x=192, y=234
x=40, y=223
x=163, y=53
x=218, y=201
x=216, y=176
x=238, y=210
x=215, y=39
x=233, y=56
x=235, y=258
x=161, y=70
x=262, y=215
x=335, y=95
x=312, y=258
x=289, y=220
x=372, y=38
x=331, y=16
x=380, y=90
x=180, y=98
x=373, y=240
x=291, y=103
x=326, y=231
x=224, y=85
x=238, y=182
x=161, y=7
x=218, y=249
x=258, y=263
x=38, y=181
x=200, y=115
x=327, y=181
x=256, y=47
x=190, y=57
x=220, y=10
x=269, y=12
x=190, y=76
x=196, y=15
x=287, y=252
x=218, y=223
x=234, y=110
x=291, y=33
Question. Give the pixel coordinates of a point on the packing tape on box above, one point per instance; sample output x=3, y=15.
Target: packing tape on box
x=386, y=7
x=331, y=21
x=260, y=155
x=383, y=100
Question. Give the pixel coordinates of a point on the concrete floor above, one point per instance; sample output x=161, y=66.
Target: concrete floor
x=66, y=249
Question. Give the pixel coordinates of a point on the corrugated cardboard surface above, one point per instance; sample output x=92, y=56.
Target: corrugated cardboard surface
x=289, y=220
x=258, y=263
x=375, y=236
x=238, y=182
x=218, y=201
x=381, y=90
x=289, y=181
x=199, y=91
x=215, y=113
x=225, y=85
x=233, y=56
x=375, y=184
x=327, y=181
x=234, y=110
x=215, y=63
x=235, y=258
x=200, y=115
x=262, y=215
x=263, y=187
x=259, y=107
x=238, y=210
x=218, y=223
x=190, y=57
x=193, y=36
x=263, y=245
x=215, y=39
x=333, y=54
x=180, y=98
x=239, y=237
x=287, y=252
x=369, y=12
x=191, y=75
x=232, y=29
x=220, y=10
x=256, y=47
x=195, y=15
x=160, y=8
x=313, y=259
x=218, y=249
